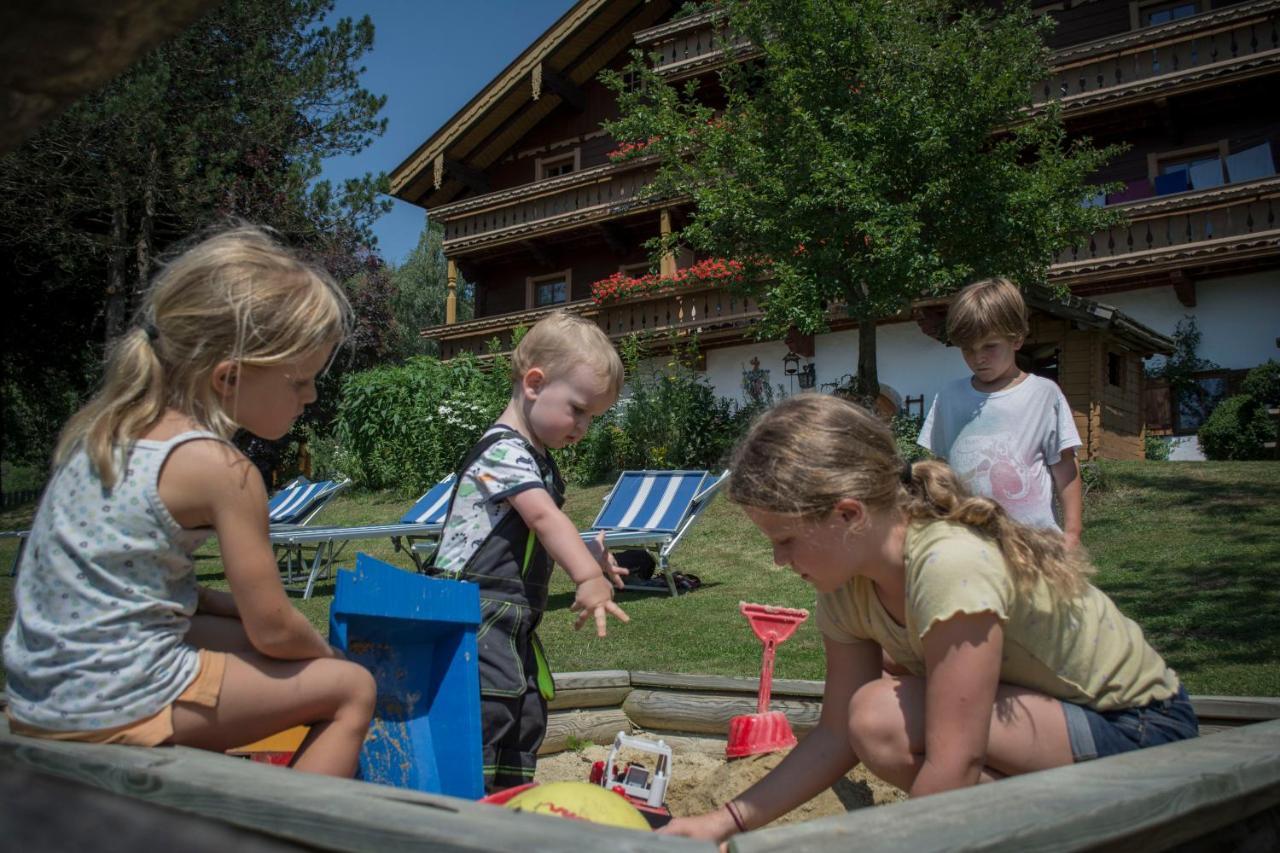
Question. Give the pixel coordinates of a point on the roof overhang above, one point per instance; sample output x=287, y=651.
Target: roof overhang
x=569, y=54
x=1080, y=312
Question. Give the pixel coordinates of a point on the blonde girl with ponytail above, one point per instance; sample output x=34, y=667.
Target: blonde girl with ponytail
x=1014, y=662
x=112, y=640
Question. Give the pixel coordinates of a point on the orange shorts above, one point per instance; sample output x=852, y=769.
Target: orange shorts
x=153, y=730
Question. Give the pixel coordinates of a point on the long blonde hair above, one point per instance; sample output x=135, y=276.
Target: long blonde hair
x=237, y=295
x=807, y=453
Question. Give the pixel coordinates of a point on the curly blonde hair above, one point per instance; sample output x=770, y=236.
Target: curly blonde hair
x=237, y=295
x=807, y=453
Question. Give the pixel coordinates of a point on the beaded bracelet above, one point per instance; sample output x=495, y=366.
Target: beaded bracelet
x=737, y=818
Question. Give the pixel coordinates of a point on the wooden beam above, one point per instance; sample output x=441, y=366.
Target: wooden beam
x=1191, y=792
x=1184, y=287
x=591, y=726
x=318, y=811
x=558, y=84
x=474, y=179
x=709, y=713
x=451, y=293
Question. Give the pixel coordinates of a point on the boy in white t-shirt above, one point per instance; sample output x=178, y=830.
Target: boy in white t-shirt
x=1008, y=434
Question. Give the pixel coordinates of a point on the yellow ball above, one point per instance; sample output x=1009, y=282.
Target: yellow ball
x=579, y=801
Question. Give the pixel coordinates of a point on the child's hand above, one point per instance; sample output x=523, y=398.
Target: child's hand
x=595, y=599
x=608, y=565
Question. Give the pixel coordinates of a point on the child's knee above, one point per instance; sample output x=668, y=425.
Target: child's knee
x=361, y=689
x=875, y=719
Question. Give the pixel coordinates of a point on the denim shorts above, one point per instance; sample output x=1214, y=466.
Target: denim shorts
x=1097, y=734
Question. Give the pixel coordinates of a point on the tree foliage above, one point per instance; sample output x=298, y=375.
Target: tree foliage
x=421, y=288
x=230, y=119
x=875, y=152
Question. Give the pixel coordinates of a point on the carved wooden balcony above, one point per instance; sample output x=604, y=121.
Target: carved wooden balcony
x=1223, y=227
x=545, y=207
x=1233, y=43
x=710, y=312
x=693, y=45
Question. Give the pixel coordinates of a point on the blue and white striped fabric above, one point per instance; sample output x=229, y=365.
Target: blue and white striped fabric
x=297, y=501
x=657, y=501
x=432, y=507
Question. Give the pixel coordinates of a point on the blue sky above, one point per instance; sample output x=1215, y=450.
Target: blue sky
x=429, y=58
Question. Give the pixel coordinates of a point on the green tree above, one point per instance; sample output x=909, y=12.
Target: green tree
x=420, y=289
x=876, y=151
x=230, y=119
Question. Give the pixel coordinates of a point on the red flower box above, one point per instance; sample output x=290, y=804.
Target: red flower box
x=717, y=272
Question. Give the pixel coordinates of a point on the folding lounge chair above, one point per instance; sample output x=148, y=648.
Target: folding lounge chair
x=653, y=510
x=299, y=500
x=424, y=520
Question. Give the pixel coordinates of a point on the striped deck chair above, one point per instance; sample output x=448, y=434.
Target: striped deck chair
x=653, y=510
x=424, y=520
x=299, y=500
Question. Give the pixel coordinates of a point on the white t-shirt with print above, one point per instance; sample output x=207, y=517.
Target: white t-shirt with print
x=1001, y=444
x=505, y=469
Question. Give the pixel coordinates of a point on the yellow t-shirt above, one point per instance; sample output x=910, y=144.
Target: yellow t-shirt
x=1082, y=651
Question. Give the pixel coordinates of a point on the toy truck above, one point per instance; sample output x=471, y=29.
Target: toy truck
x=645, y=788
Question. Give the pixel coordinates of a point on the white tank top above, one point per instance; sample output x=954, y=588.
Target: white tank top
x=106, y=588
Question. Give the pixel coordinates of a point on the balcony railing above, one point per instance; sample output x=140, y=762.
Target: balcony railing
x=1219, y=227
x=544, y=207
x=1237, y=40
x=1191, y=53
x=693, y=45
x=1203, y=227
x=709, y=312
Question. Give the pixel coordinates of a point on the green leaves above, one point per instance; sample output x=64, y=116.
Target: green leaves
x=887, y=137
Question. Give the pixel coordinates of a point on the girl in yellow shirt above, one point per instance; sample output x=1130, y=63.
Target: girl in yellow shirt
x=1014, y=661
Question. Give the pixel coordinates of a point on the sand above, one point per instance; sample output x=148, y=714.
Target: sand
x=702, y=780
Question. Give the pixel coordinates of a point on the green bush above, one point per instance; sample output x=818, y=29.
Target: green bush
x=1156, y=448
x=672, y=419
x=407, y=426
x=1263, y=383
x=1237, y=429
x=906, y=430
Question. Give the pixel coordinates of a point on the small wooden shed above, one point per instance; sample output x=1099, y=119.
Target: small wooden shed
x=1094, y=352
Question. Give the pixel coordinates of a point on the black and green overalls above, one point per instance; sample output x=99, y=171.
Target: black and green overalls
x=512, y=570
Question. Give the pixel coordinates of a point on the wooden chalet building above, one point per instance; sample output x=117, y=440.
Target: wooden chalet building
x=535, y=210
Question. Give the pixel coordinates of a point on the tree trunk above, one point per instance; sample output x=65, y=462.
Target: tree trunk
x=117, y=290
x=868, y=377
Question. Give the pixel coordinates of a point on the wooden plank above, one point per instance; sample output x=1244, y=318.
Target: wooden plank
x=725, y=684
x=1150, y=799
x=1252, y=709
x=326, y=813
x=588, y=697
x=45, y=812
x=594, y=726
x=709, y=713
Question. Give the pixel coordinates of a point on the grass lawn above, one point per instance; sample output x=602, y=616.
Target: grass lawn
x=1191, y=551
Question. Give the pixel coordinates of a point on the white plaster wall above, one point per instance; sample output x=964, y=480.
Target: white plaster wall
x=909, y=361
x=1238, y=317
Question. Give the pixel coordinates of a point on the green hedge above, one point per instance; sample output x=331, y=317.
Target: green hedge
x=405, y=427
x=1238, y=429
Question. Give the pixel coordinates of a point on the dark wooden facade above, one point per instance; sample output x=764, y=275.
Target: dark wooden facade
x=522, y=180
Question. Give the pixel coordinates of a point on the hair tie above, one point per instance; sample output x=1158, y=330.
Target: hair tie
x=151, y=331
x=906, y=473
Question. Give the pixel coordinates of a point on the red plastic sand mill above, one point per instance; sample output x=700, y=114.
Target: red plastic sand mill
x=765, y=730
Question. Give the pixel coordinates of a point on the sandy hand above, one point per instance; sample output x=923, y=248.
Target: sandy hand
x=595, y=599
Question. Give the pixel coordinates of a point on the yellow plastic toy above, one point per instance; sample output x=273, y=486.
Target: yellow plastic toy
x=579, y=801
